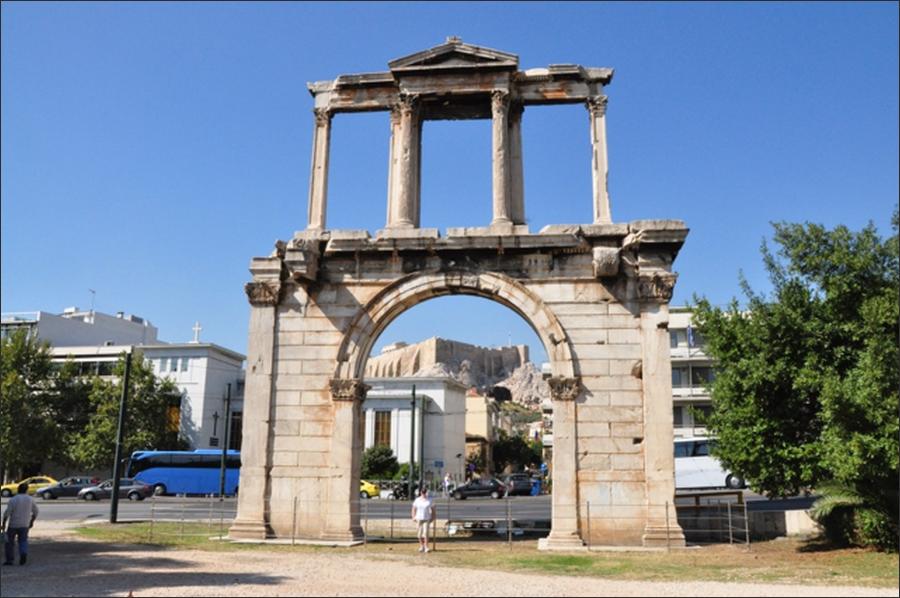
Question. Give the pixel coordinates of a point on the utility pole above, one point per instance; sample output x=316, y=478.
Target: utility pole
x=412, y=441
x=225, y=441
x=422, y=444
x=120, y=435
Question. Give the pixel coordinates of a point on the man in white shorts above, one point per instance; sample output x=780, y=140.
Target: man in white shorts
x=423, y=513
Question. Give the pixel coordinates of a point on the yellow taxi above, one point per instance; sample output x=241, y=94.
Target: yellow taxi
x=35, y=483
x=368, y=489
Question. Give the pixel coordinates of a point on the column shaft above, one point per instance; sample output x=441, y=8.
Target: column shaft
x=502, y=207
x=318, y=178
x=659, y=462
x=341, y=513
x=564, y=533
x=403, y=203
x=599, y=165
x=251, y=521
x=516, y=176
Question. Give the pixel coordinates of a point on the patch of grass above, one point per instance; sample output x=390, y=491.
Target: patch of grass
x=781, y=561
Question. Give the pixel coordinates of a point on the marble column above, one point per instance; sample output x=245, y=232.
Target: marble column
x=502, y=204
x=264, y=296
x=599, y=165
x=318, y=178
x=564, y=532
x=342, y=521
x=516, y=175
x=403, y=186
x=661, y=529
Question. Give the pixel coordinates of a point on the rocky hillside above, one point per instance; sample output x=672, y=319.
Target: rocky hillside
x=525, y=383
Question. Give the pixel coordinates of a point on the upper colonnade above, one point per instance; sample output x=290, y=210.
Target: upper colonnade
x=455, y=81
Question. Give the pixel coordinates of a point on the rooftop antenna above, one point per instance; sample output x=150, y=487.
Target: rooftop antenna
x=197, y=328
x=93, y=296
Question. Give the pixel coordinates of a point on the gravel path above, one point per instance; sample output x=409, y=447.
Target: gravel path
x=64, y=565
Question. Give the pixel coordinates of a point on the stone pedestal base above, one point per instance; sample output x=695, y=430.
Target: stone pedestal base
x=662, y=537
x=248, y=530
x=354, y=534
x=561, y=542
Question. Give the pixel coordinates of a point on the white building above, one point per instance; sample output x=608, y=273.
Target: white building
x=76, y=327
x=387, y=413
x=201, y=371
x=692, y=370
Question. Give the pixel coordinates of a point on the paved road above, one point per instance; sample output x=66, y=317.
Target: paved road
x=167, y=507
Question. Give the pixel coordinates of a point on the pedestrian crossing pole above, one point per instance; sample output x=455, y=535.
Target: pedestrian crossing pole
x=120, y=435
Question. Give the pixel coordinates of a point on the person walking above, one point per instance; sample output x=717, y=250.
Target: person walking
x=21, y=511
x=447, y=482
x=423, y=513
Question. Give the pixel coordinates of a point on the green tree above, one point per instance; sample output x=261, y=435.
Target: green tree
x=41, y=404
x=515, y=452
x=147, y=423
x=379, y=463
x=806, y=391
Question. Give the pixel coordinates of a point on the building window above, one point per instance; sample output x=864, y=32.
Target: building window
x=679, y=378
x=234, y=434
x=673, y=339
x=184, y=364
x=162, y=365
x=678, y=413
x=702, y=376
x=382, y=428
x=173, y=366
x=105, y=368
x=701, y=414
x=173, y=416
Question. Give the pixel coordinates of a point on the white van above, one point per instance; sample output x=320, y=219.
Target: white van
x=695, y=467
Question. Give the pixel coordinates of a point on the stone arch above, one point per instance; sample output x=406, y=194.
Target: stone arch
x=410, y=290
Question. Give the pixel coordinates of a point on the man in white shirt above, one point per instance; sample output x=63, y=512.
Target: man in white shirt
x=423, y=513
x=21, y=511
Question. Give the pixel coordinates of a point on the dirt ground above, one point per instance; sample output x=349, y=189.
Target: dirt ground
x=62, y=564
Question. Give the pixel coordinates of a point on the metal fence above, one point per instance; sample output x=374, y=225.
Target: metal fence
x=708, y=521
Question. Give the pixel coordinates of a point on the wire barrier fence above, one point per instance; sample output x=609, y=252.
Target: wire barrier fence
x=182, y=517
x=599, y=525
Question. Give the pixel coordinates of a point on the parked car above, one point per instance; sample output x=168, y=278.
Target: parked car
x=70, y=486
x=480, y=487
x=368, y=489
x=130, y=488
x=518, y=484
x=35, y=483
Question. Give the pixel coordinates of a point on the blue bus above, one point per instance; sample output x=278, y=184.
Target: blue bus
x=185, y=472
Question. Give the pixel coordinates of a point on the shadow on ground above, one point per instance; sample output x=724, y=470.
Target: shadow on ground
x=67, y=567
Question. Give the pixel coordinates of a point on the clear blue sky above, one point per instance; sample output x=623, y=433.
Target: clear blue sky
x=150, y=150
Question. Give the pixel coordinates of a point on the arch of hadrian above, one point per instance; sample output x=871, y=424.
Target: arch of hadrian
x=596, y=294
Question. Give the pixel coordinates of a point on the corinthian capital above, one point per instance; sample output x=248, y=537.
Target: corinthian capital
x=263, y=294
x=596, y=105
x=322, y=116
x=408, y=104
x=348, y=389
x=657, y=286
x=564, y=389
x=499, y=100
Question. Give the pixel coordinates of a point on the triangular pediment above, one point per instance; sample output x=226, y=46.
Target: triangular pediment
x=455, y=54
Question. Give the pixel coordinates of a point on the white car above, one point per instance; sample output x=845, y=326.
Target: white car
x=695, y=467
